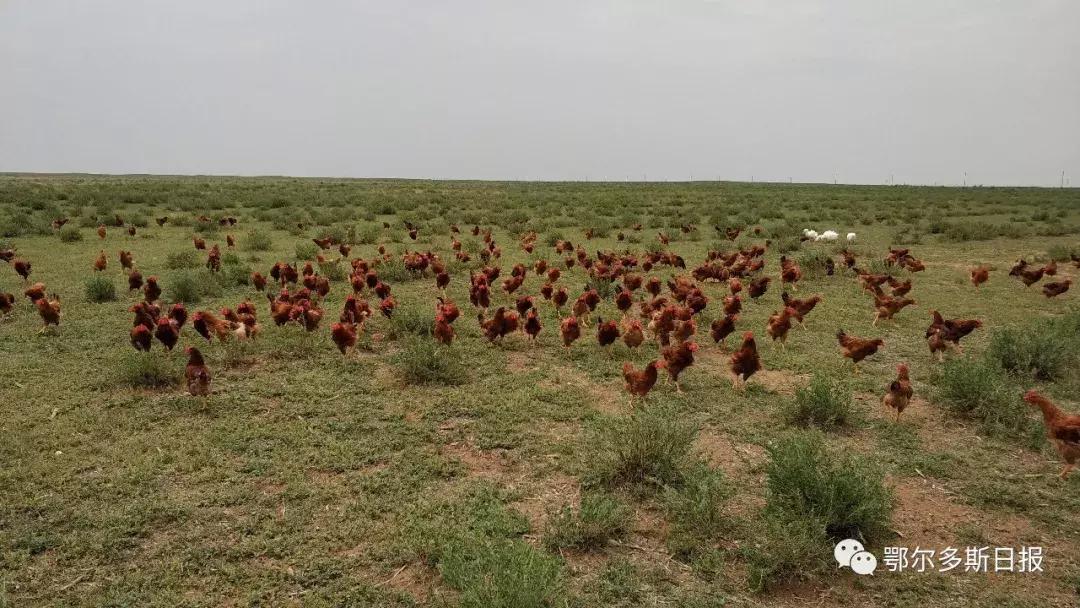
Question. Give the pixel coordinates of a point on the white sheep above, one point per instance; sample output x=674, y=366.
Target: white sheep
x=851, y=237
x=828, y=235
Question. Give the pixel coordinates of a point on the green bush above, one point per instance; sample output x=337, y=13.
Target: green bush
x=1046, y=349
x=394, y=271
x=423, y=361
x=826, y=403
x=813, y=263
x=787, y=550
x=648, y=447
x=367, y=234
x=600, y=518
x=306, y=250
x=501, y=574
x=695, y=509
x=604, y=287
x=787, y=244
x=981, y=390
x=146, y=370
x=70, y=234
x=411, y=320
x=100, y=289
x=184, y=287
x=844, y=494
x=236, y=275
x=180, y=260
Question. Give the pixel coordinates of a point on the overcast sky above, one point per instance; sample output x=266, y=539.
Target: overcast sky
x=552, y=89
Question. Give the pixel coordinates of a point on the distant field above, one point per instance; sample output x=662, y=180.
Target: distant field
x=519, y=474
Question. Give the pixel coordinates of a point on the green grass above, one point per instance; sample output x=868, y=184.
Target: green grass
x=100, y=289
x=826, y=403
x=411, y=474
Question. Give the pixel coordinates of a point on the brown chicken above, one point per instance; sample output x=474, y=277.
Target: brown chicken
x=167, y=333
x=151, y=292
x=790, y=273
x=677, y=358
x=126, y=261
x=1027, y=275
x=899, y=394
x=101, y=262
x=22, y=268
x=732, y=305
x=344, y=336
x=141, y=338
x=758, y=287
x=1062, y=429
x=632, y=333
x=135, y=280
x=49, y=311
x=570, y=330
x=639, y=383
x=199, y=243
x=857, y=349
x=35, y=292
x=745, y=361
x=946, y=331
x=801, y=307
x=721, y=328
x=1056, y=288
x=979, y=275
x=207, y=325
x=502, y=324
x=779, y=324
x=886, y=307
x=532, y=324
x=101, y=232
x=197, y=375
x=607, y=332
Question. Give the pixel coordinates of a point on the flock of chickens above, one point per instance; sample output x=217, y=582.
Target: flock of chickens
x=670, y=318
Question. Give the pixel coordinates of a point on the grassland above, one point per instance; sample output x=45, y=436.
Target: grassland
x=318, y=480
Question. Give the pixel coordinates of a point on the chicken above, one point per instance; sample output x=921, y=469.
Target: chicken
x=167, y=333
x=779, y=324
x=178, y=314
x=745, y=361
x=857, y=349
x=887, y=306
x=22, y=268
x=101, y=231
x=559, y=299
x=801, y=307
x=899, y=288
x=199, y=243
x=387, y=306
x=126, y=261
x=758, y=287
x=790, y=272
x=35, y=292
x=1050, y=269
x=502, y=324
x=624, y=300
x=151, y=292
x=979, y=275
x=205, y=322
x=1028, y=275
x=344, y=336
x=161, y=221
x=141, y=338
x=443, y=331
x=1062, y=429
x=677, y=358
x=732, y=305
x=101, y=262
x=49, y=311
x=7, y=303
x=197, y=374
x=632, y=334
x=899, y=394
x=1056, y=288
x=570, y=330
x=523, y=304
x=135, y=281
x=721, y=328
x=951, y=330
x=639, y=383
x=607, y=332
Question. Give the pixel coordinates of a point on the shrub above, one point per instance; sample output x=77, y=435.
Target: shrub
x=100, y=289
x=649, y=447
x=501, y=574
x=423, y=361
x=788, y=549
x=813, y=263
x=844, y=495
x=184, y=287
x=179, y=260
x=981, y=390
x=1044, y=349
x=787, y=244
x=394, y=271
x=411, y=320
x=695, y=508
x=604, y=286
x=257, y=240
x=236, y=275
x=600, y=518
x=145, y=370
x=368, y=234
x=826, y=403
x=306, y=250
x=70, y=234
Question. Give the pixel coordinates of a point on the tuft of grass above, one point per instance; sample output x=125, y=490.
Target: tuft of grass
x=411, y=320
x=813, y=263
x=180, y=260
x=844, y=494
x=787, y=550
x=604, y=286
x=423, y=361
x=980, y=389
x=100, y=289
x=501, y=574
x=394, y=271
x=185, y=287
x=367, y=234
x=306, y=250
x=695, y=509
x=1045, y=350
x=825, y=403
x=649, y=447
x=146, y=370
x=70, y=234
x=599, y=518
x=257, y=240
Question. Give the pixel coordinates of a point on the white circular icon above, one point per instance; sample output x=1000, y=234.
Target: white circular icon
x=845, y=549
x=863, y=562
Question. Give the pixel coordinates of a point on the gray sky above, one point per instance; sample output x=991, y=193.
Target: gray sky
x=924, y=90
